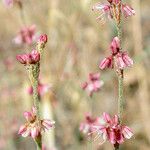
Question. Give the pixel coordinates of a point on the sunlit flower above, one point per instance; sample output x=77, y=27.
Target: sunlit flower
x=110, y=129
x=93, y=84
x=34, y=127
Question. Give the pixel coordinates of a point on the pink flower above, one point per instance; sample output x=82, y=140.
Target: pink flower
x=123, y=60
x=110, y=129
x=127, y=10
x=103, y=9
x=93, y=84
x=106, y=63
x=43, y=38
x=86, y=127
x=107, y=9
x=42, y=89
x=34, y=127
x=8, y=3
x=31, y=58
x=115, y=45
x=26, y=35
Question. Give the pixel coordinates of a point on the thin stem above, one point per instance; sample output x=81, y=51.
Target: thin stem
x=120, y=94
x=38, y=142
x=36, y=98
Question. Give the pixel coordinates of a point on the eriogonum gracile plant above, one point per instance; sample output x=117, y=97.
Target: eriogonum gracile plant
x=112, y=128
x=34, y=125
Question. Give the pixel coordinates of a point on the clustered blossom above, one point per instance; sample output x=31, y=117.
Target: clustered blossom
x=108, y=9
x=118, y=58
x=26, y=35
x=30, y=58
x=34, y=127
x=86, y=127
x=110, y=129
x=93, y=84
x=42, y=89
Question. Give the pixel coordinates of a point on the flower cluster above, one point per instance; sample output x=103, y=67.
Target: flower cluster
x=26, y=35
x=110, y=129
x=34, y=127
x=93, y=84
x=118, y=58
x=110, y=10
x=86, y=127
x=30, y=58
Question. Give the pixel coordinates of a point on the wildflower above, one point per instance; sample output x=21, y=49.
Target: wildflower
x=127, y=10
x=106, y=63
x=103, y=9
x=110, y=129
x=108, y=9
x=93, y=84
x=115, y=45
x=34, y=127
x=43, y=39
x=120, y=57
x=31, y=58
x=123, y=60
x=86, y=127
x=26, y=35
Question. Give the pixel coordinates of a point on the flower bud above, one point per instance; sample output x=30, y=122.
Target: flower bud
x=106, y=63
x=115, y=45
x=22, y=58
x=35, y=56
x=42, y=39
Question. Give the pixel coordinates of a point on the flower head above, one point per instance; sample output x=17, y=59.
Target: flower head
x=34, y=127
x=26, y=35
x=120, y=57
x=110, y=129
x=30, y=58
x=108, y=9
x=93, y=84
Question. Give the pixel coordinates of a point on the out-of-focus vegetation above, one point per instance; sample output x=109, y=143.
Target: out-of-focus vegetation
x=76, y=45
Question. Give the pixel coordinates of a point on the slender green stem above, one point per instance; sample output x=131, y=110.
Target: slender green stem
x=38, y=142
x=120, y=94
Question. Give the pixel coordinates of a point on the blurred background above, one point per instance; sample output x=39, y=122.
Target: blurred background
x=77, y=43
